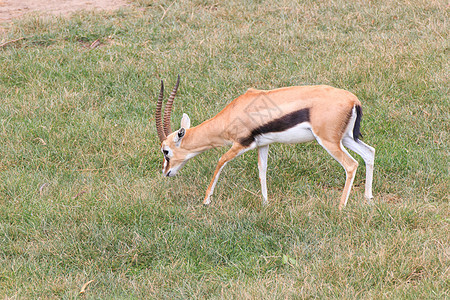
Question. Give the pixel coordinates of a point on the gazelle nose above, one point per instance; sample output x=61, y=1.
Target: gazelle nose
x=168, y=174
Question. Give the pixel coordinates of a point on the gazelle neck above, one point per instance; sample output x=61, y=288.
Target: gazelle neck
x=203, y=137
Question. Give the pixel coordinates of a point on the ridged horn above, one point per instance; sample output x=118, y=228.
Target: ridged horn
x=158, y=115
x=168, y=109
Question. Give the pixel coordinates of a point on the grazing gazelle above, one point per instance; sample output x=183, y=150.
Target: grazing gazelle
x=259, y=118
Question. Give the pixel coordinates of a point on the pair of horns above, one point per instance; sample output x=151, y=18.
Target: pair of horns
x=165, y=130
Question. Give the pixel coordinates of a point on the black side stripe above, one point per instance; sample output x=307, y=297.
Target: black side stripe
x=278, y=125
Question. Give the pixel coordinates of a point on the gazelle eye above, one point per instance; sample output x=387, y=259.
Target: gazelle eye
x=165, y=152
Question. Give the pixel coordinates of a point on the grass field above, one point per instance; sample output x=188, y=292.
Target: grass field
x=82, y=199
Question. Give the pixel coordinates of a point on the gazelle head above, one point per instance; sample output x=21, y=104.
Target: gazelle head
x=175, y=156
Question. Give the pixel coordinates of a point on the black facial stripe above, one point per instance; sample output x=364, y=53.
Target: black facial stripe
x=281, y=124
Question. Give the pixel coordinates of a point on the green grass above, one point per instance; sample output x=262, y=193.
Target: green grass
x=81, y=120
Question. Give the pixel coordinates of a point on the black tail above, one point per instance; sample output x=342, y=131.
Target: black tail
x=357, y=128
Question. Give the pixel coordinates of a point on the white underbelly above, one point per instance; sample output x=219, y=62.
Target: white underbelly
x=300, y=133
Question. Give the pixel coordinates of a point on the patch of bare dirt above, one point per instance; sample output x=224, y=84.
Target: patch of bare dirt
x=12, y=9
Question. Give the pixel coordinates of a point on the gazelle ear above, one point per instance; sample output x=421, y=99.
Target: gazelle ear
x=185, y=122
x=181, y=133
x=179, y=136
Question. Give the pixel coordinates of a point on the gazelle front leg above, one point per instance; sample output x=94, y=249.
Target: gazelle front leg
x=234, y=151
x=263, y=153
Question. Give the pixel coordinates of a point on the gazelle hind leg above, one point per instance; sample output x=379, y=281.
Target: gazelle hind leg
x=263, y=153
x=368, y=155
x=348, y=163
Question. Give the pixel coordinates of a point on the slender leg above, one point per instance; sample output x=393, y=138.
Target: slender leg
x=234, y=151
x=349, y=163
x=263, y=153
x=368, y=154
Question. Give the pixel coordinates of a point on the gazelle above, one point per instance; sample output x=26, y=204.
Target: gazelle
x=259, y=118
